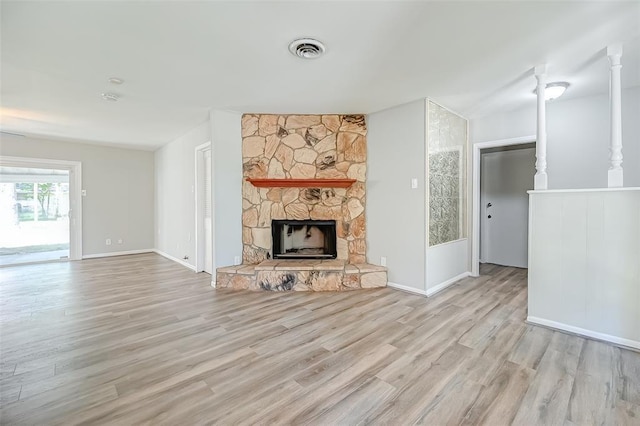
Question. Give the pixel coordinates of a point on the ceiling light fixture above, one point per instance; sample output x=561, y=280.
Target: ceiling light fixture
x=306, y=48
x=112, y=97
x=116, y=80
x=553, y=90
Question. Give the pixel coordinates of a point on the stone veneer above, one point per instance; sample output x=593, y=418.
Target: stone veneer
x=301, y=275
x=304, y=147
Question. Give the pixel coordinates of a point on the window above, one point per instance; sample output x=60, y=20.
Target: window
x=447, y=175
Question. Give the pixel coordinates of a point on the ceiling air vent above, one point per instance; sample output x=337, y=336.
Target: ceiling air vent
x=306, y=48
x=111, y=97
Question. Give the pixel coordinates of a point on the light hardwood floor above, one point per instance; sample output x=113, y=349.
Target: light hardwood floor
x=140, y=339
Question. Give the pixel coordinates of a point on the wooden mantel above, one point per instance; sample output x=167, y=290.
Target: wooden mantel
x=301, y=183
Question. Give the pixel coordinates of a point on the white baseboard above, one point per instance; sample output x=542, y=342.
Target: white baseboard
x=117, y=253
x=584, y=332
x=433, y=290
x=175, y=259
x=406, y=288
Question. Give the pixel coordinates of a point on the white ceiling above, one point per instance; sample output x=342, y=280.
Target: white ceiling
x=179, y=59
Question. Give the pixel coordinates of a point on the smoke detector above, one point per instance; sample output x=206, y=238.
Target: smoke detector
x=306, y=48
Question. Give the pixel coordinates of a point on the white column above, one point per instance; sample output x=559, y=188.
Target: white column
x=540, y=179
x=615, y=175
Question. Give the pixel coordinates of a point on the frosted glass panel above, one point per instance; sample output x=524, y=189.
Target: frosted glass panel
x=447, y=165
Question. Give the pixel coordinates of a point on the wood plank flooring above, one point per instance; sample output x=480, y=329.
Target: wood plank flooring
x=142, y=340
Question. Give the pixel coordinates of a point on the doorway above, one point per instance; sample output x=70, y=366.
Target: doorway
x=204, y=209
x=40, y=210
x=500, y=201
x=506, y=174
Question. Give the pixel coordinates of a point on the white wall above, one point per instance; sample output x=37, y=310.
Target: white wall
x=578, y=138
x=506, y=176
x=227, y=186
x=175, y=196
x=119, y=182
x=396, y=222
x=584, y=274
x=446, y=264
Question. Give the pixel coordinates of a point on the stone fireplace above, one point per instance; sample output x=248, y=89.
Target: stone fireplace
x=296, y=169
x=304, y=147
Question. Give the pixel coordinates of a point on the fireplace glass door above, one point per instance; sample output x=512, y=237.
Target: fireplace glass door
x=304, y=239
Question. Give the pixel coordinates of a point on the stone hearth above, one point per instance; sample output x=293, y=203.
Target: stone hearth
x=302, y=275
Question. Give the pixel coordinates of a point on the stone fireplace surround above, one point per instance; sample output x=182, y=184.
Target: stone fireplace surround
x=318, y=150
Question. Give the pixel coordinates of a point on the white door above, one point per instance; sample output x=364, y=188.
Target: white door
x=506, y=176
x=208, y=251
x=55, y=197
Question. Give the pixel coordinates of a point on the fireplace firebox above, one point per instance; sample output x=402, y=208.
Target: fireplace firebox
x=304, y=239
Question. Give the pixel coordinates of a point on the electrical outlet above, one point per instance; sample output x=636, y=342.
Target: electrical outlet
x=236, y=260
x=120, y=241
x=414, y=183
x=108, y=241
x=383, y=261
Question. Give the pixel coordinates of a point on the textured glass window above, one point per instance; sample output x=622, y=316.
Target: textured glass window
x=447, y=175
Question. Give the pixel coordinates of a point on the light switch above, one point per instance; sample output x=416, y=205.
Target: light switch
x=414, y=183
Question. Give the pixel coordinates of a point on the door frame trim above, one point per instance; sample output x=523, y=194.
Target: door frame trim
x=75, y=193
x=200, y=239
x=475, y=209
